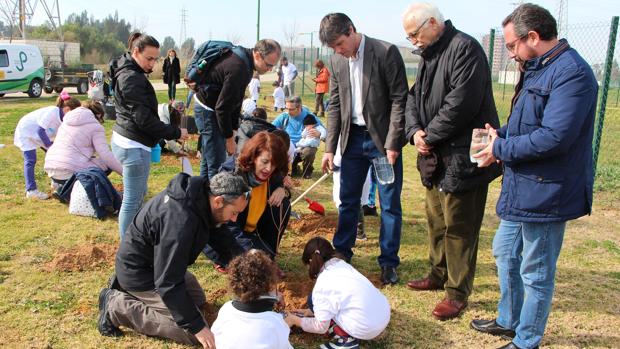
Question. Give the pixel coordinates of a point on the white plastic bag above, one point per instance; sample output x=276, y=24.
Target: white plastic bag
x=79, y=204
x=95, y=85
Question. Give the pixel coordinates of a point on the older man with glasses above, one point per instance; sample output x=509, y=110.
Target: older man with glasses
x=452, y=96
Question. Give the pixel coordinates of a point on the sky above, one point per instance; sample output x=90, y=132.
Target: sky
x=236, y=19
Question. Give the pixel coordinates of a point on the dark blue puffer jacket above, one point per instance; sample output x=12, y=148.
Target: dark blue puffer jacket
x=546, y=146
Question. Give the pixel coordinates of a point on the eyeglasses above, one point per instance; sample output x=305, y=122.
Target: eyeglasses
x=414, y=35
x=513, y=44
x=269, y=65
x=246, y=194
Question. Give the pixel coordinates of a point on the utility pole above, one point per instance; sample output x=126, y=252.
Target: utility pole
x=562, y=18
x=183, y=34
x=258, y=22
x=22, y=18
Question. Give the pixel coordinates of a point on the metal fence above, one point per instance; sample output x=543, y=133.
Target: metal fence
x=595, y=42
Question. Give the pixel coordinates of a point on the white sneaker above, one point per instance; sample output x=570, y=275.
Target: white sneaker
x=36, y=194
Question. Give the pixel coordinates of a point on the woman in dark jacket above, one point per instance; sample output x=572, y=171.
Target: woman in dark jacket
x=137, y=127
x=263, y=162
x=172, y=73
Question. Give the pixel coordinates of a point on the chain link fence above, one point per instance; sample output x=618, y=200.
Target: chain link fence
x=595, y=42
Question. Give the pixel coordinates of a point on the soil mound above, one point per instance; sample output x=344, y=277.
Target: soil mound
x=81, y=258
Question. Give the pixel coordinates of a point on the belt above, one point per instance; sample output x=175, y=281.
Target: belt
x=358, y=127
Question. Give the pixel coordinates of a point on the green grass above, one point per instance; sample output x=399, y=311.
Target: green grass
x=40, y=308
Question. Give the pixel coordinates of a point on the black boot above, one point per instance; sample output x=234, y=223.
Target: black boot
x=361, y=231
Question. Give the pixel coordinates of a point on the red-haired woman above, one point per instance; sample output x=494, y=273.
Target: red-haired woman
x=263, y=162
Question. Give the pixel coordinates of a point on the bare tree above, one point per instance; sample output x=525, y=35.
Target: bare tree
x=291, y=32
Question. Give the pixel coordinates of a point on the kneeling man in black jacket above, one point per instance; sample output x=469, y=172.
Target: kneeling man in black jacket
x=153, y=293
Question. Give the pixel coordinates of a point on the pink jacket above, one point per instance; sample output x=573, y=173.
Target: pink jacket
x=79, y=138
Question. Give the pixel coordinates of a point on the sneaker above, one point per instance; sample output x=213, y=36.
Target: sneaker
x=220, y=269
x=105, y=325
x=342, y=342
x=36, y=194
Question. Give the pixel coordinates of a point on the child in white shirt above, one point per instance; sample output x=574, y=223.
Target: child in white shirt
x=249, y=321
x=278, y=97
x=38, y=129
x=343, y=301
x=254, y=87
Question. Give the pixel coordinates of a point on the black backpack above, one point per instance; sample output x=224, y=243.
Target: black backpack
x=208, y=53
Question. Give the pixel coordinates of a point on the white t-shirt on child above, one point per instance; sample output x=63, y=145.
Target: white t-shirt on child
x=345, y=295
x=253, y=87
x=278, y=98
x=234, y=329
x=26, y=133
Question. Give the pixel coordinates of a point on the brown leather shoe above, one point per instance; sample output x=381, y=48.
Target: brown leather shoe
x=425, y=284
x=448, y=309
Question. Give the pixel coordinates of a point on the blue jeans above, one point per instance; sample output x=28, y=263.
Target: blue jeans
x=213, y=144
x=355, y=163
x=526, y=256
x=136, y=165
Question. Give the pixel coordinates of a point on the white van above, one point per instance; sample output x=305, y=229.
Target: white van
x=21, y=70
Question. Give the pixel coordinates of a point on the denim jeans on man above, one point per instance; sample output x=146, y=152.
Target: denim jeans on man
x=355, y=163
x=526, y=256
x=136, y=165
x=213, y=144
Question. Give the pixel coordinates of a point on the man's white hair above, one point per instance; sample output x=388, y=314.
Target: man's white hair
x=421, y=11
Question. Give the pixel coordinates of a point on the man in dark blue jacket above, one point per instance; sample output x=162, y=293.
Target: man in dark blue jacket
x=546, y=149
x=154, y=294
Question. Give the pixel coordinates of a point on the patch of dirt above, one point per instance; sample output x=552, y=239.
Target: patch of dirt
x=295, y=293
x=82, y=258
x=312, y=225
x=210, y=309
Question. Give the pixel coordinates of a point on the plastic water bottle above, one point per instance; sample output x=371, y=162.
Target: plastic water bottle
x=195, y=73
x=156, y=154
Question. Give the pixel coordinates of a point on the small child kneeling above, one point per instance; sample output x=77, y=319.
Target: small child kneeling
x=249, y=321
x=343, y=302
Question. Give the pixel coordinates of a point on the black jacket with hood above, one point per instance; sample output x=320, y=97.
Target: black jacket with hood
x=451, y=96
x=136, y=104
x=165, y=237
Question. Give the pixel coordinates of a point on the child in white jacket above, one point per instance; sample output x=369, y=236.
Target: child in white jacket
x=249, y=321
x=343, y=302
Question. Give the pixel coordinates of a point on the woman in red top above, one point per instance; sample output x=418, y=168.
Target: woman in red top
x=322, y=86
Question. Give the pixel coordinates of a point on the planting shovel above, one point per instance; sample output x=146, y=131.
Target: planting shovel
x=314, y=206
